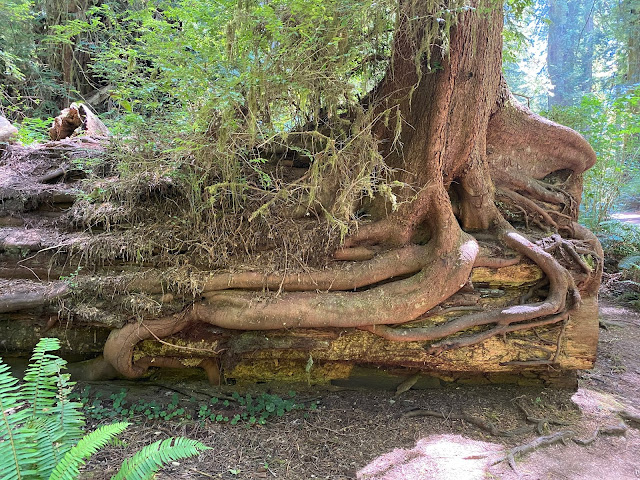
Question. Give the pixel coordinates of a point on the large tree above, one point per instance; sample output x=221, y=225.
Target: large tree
x=471, y=179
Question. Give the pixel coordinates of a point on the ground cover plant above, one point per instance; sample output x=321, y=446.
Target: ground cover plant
x=189, y=406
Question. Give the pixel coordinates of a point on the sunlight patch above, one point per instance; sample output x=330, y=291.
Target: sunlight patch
x=438, y=457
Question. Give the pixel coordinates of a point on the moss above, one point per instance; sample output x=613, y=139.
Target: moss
x=288, y=371
x=512, y=276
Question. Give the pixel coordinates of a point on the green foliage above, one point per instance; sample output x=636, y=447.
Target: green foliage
x=237, y=409
x=68, y=467
x=212, y=99
x=32, y=130
x=29, y=84
x=619, y=239
x=39, y=422
x=610, y=125
x=516, y=15
x=14, y=16
x=145, y=463
x=630, y=262
x=41, y=434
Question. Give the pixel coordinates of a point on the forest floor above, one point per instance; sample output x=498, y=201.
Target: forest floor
x=364, y=434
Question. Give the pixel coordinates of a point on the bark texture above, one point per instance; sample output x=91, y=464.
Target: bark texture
x=481, y=268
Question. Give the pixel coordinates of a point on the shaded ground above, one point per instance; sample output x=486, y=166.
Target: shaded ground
x=366, y=434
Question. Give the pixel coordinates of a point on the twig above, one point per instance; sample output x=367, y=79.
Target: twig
x=189, y=393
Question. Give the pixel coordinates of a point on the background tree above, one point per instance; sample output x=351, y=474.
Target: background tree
x=570, y=49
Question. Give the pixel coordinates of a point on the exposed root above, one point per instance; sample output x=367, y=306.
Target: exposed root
x=553, y=310
x=554, y=356
x=619, y=429
x=534, y=290
x=485, y=425
x=563, y=436
x=355, y=254
x=118, y=349
x=500, y=329
x=393, y=263
x=495, y=262
x=383, y=231
x=531, y=206
x=344, y=277
x=567, y=247
x=542, y=424
x=402, y=300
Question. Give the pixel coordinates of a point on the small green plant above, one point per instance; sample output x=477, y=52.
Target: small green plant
x=236, y=410
x=41, y=428
x=619, y=239
x=32, y=130
x=72, y=278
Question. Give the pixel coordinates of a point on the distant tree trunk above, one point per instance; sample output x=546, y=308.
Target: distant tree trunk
x=570, y=49
x=66, y=58
x=632, y=10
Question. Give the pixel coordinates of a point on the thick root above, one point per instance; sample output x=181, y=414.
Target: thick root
x=362, y=272
x=118, y=349
x=402, y=301
x=553, y=309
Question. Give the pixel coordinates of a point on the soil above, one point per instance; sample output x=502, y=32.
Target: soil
x=364, y=434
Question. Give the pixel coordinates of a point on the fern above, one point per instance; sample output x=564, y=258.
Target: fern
x=11, y=416
x=68, y=414
x=144, y=464
x=41, y=430
x=68, y=467
x=629, y=262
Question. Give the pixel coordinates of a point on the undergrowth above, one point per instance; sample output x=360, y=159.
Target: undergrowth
x=235, y=409
x=265, y=147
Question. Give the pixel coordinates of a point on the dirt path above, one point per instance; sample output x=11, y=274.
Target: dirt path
x=613, y=385
x=367, y=435
x=628, y=217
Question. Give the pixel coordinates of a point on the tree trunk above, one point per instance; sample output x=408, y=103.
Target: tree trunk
x=444, y=283
x=633, y=42
x=569, y=50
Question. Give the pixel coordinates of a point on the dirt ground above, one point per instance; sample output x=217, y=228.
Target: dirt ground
x=368, y=434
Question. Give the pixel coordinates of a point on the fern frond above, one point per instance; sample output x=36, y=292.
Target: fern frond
x=70, y=419
x=47, y=435
x=69, y=467
x=13, y=452
x=69, y=414
x=41, y=377
x=144, y=464
x=629, y=262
